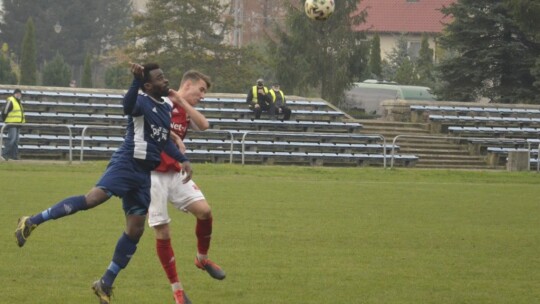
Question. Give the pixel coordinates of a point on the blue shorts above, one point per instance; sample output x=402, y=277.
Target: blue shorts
x=126, y=179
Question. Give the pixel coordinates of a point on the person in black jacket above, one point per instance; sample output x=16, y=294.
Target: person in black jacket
x=259, y=99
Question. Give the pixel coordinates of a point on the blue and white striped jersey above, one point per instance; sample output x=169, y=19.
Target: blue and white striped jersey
x=147, y=133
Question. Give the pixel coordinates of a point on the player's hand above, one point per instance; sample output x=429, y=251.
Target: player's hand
x=257, y=106
x=186, y=168
x=137, y=70
x=173, y=95
x=176, y=98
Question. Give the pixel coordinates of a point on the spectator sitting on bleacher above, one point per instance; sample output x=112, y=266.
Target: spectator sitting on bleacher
x=259, y=99
x=278, y=100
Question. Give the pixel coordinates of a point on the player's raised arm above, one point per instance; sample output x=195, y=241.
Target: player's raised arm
x=172, y=150
x=178, y=142
x=130, y=98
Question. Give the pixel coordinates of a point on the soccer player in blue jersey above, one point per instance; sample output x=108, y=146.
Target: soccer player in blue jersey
x=128, y=173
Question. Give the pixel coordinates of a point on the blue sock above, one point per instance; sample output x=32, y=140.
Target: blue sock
x=66, y=207
x=125, y=248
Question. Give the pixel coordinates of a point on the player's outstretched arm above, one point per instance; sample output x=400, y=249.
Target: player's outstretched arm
x=198, y=119
x=178, y=142
x=173, y=152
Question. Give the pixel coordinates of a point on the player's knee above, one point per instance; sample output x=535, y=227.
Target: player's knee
x=162, y=232
x=204, y=213
x=200, y=209
x=96, y=196
x=135, y=233
x=135, y=226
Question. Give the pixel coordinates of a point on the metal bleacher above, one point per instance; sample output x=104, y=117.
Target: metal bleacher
x=291, y=125
x=317, y=134
x=491, y=110
x=489, y=130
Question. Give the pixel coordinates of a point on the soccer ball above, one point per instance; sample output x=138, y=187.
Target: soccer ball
x=319, y=9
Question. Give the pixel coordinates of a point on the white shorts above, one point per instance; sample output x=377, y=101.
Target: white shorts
x=168, y=187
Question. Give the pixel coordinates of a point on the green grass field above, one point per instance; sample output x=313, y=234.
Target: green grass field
x=290, y=235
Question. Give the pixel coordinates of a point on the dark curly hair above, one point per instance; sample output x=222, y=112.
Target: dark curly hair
x=148, y=67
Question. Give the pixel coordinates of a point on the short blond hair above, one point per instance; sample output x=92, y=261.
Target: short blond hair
x=195, y=75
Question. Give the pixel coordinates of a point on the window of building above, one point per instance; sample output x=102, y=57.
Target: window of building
x=413, y=48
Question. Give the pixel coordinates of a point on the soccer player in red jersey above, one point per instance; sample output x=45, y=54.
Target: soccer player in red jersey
x=168, y=185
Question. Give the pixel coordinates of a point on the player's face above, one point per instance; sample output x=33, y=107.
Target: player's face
x=160, y=84
x=196, y=90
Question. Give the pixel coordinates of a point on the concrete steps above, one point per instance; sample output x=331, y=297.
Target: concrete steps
x=453, y=166
x=422, y=152
x=391, y=130
x=433, y=150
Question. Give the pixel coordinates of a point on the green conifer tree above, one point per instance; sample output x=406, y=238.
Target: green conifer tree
x=424, y=64
x=398, y=56
x=87, y=72
x=191, y=35
x=321, y=55
x=28, y=55
x=494, y=55
x=375, y=67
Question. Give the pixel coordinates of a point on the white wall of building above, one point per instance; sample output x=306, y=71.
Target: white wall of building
x=139, y=5
x=389, y=42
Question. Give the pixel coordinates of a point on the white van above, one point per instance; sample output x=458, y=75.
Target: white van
x=368, y=95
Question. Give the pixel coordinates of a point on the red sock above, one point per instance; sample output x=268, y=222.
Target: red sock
x=166, y=257
x=203, y=231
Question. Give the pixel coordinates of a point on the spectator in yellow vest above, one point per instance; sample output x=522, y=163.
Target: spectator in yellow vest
x=259, y=99
x=278, y=101
x=13, y=113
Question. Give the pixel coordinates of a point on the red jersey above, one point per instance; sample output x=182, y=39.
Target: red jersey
x=179, y=125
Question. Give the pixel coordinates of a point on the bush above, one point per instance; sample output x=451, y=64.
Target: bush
x=57, y=72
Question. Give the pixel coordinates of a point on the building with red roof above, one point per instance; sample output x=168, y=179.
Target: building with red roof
x=408, y=18
x=254, y=20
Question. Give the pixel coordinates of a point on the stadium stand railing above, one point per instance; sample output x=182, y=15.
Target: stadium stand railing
x=440, y=123
x=319, y=134
x=359, y=148
x=41, y=126
x=420, y=112
x=292, y=126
